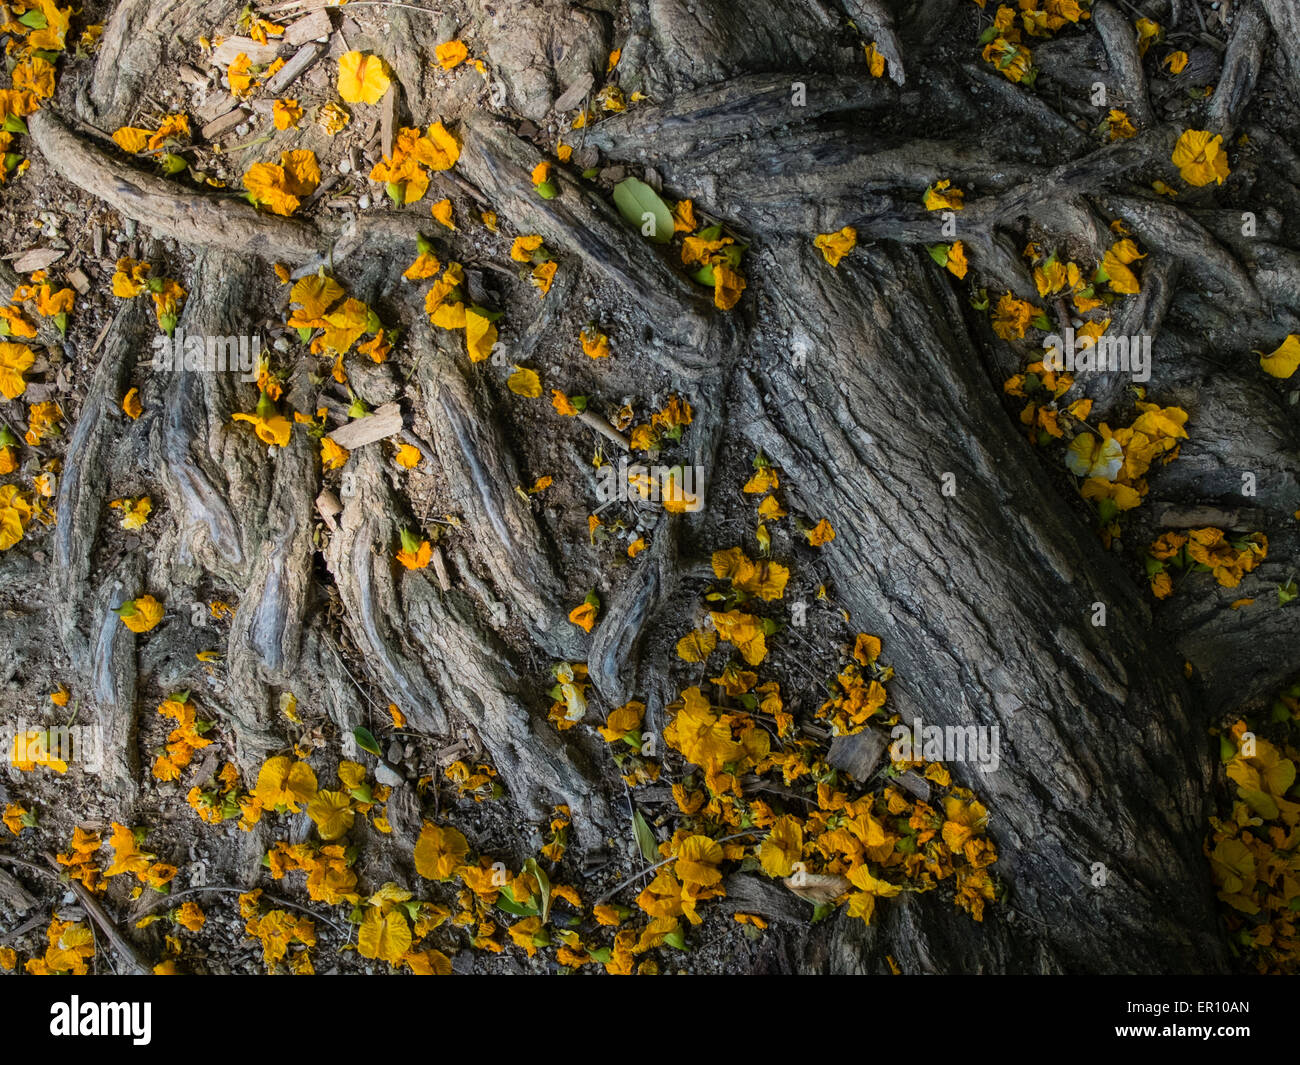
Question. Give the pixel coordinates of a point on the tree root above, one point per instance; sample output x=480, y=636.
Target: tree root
x=194, y=218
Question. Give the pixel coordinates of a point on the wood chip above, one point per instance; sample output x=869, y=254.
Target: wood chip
x=575, y=93
x=230, y=49
x=218, y=105
x=384, y=422
x=859, y=754
x=440, y=569
x=224, y=124
x=387, y=119
x=329, y=508
x=25, y=262
x=302, y=61
x=79, y=281
x=193, y=76
x=312, y=28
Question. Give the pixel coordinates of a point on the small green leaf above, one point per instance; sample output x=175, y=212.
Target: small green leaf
x=544, y=885
x=1286, y=592
x=547, y=190
x=366, y=740
x=642, y=208
x=14, y=124
x=34, y=20
x=173, y=163
x=645, y=837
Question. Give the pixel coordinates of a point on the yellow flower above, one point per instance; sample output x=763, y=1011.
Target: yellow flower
x=282, y=188
x=332, y=813
x=1147, y=31
x=408, y=456
x=15, y=360
x=135, y=512
x=451, y=54
x=440, y=852
x=442, y=211
x=444, y=148
x=286, y=114
x=1200, y=157
x=584, y=616
x=142, y=614
x=728, y=284
x=744, y=631
x=1115, y=263
x=283, y=782
x=414, y=553
x=332, y=118
x=332, y=456
x=131, y=405
x=782, y=847
x=480, y=336
x=821, y=533
x=697, y=645
x=543, y=275
x=362, y=78
x=190, y=916
x=875, y=61
x=595, y=344
x=240, y=75
x=1283, y=362
x=1119, y=125
x=1175, y=61
x=271, y=427
x=941, y=196
x=834, y=246
x=524, y=382
x=521, y=251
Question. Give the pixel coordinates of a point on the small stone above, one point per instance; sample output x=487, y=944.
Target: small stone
x=387, y=776
x=345, y=166
x=364, y=202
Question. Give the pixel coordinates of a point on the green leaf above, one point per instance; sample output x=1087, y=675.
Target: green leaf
x=34, y=20
x=61, y=322
x=173, y=163
x=704, y=275
x=641, y=206
x=645, y=837
x=939, y=253
x=504, y=902
x=366, y=740
x=304, y=333
x=544, y=885
x=547, y=190
x=1286, y=592
x=14, y=124
x=676, y=938
x=483, y=312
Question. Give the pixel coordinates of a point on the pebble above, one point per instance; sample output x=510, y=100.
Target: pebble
x=345, y=166
x=388, y=777
x=242, y=129
x=364, y=202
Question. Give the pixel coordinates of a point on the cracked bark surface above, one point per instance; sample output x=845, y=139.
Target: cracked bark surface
x=983, y=599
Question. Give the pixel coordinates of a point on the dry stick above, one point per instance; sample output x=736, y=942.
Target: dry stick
x=595, y=421
x=272, y=899
x=128, y=950
x=659, y=865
